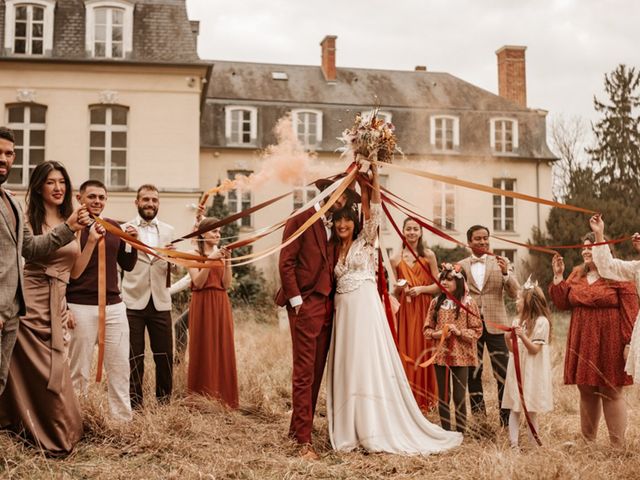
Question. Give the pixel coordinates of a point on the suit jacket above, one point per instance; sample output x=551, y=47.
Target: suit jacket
x=148, y=279
x=306, y=265
x=17, y=243
x=490, y=296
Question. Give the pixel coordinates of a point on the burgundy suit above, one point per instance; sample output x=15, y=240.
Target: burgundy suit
x=306, y=269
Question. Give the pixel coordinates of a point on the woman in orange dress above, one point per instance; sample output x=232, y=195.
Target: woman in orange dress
x=212, y=358
x=415, y=296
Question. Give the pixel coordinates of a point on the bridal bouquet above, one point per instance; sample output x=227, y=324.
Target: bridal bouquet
x=370, y=137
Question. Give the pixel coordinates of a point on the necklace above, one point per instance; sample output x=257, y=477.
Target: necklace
x=344, y=251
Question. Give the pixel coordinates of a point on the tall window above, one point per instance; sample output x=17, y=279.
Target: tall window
x=239, y=199
x=241, y=125
x=308, y=127
x=303, y=195
x=28, y=123
x=445, y=135
x=504, y=135
x=108, y=145
x=109, y=28
x=29, y=26
x=504, y=207
x=508, y=253
x=444, y=205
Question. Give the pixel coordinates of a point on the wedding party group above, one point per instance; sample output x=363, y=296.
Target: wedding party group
x=387, y=363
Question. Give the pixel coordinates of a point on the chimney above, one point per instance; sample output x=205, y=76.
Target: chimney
x=512, y=78
x=328, y=45
x=195, y=29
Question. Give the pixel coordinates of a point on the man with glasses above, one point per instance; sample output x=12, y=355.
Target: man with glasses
x=16, y=240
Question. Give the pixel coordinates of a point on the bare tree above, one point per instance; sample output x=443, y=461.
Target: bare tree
x=568, y=138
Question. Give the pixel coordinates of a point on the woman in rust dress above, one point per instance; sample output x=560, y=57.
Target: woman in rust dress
x=212, y=357
x=39, y=402
x=415, y=297
x=603, y=313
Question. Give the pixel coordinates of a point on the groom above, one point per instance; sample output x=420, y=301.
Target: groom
x=306, y=273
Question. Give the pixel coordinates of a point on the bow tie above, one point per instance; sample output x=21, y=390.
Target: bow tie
x=327, y=223
x=478, y=260
x=150, y=223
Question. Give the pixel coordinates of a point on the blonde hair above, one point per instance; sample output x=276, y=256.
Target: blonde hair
x=534, y=305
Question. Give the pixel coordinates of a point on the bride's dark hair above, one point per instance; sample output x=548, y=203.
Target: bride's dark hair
x=348, y=213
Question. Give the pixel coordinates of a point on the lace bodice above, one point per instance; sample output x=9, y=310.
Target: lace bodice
x=360, y=263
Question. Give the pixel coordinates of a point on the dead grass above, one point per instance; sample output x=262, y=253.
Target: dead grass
x=201, y=439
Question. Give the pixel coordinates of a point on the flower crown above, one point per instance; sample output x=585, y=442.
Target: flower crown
x=454, y=269
x=529, y=284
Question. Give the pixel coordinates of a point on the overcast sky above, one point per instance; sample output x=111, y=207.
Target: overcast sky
x=570, y=43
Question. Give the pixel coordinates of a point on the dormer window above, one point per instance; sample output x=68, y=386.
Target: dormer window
x=109, y=28
x=307, y=125
x=241, y=125
x=382, y=115
x=29, y=26
x=445, y=133
x=504, y=135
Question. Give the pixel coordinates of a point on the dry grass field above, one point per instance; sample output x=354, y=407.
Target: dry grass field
x=192, y=440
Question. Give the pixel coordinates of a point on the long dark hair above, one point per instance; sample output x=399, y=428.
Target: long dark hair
x=35, y=203
x=459, y=292
x=421, y=245
x=348, y=213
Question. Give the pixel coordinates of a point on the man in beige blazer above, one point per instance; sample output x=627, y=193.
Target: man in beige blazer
x=146, y=294
x=489, y=278
x=16, y=240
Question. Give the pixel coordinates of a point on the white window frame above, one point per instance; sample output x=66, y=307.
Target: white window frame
x=27, y=127
x=456, y=132
x=294, y=121
x=239, y=193
x=253, y=131
x=382, y=114
x=514, y=131
x=108, y=128
x=503, y=253
x=304, y=189
x=443, y=190
x=127, y=25
x=10, y=25
x=503, y=206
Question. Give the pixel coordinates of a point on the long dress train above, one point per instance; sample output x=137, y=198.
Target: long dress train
x=369, y=400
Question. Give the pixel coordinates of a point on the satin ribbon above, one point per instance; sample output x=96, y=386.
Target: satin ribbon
x=482, y=188
x=102, y=304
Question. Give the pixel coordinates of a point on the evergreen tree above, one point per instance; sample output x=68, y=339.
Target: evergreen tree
x=617, y=150
x=248, y=285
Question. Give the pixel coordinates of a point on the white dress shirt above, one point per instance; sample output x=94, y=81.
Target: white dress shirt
x=478, y=269
x=148, y=231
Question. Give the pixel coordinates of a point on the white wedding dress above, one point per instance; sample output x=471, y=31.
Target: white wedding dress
x=369, y=401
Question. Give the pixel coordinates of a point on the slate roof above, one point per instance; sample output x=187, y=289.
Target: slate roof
x=411, y=97
x=162, y=33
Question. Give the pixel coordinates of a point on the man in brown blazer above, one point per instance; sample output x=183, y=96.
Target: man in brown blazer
x=489, y=277
x=146, y=295
x=16, y=240
x=306, y=273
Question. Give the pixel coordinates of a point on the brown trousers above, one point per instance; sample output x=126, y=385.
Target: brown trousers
x=161, y=338
x=310, y=338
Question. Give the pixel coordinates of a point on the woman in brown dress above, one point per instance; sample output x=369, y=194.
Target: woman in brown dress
x=603, y=313
x=415, y=297
x=212, y=357
x=39, y=402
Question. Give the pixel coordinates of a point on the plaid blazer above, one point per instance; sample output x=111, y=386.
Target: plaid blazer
x=490, y=296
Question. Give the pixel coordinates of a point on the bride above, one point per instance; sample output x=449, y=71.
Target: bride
x=369, y=401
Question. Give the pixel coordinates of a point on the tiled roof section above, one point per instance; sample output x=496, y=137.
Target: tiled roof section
x=162, y=32
x=411, y=97
x=354, y=86
x=69, y=29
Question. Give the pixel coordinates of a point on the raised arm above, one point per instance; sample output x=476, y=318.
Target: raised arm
x=82, y=260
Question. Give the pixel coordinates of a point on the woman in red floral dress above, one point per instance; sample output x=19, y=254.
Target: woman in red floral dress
x=603, y=313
